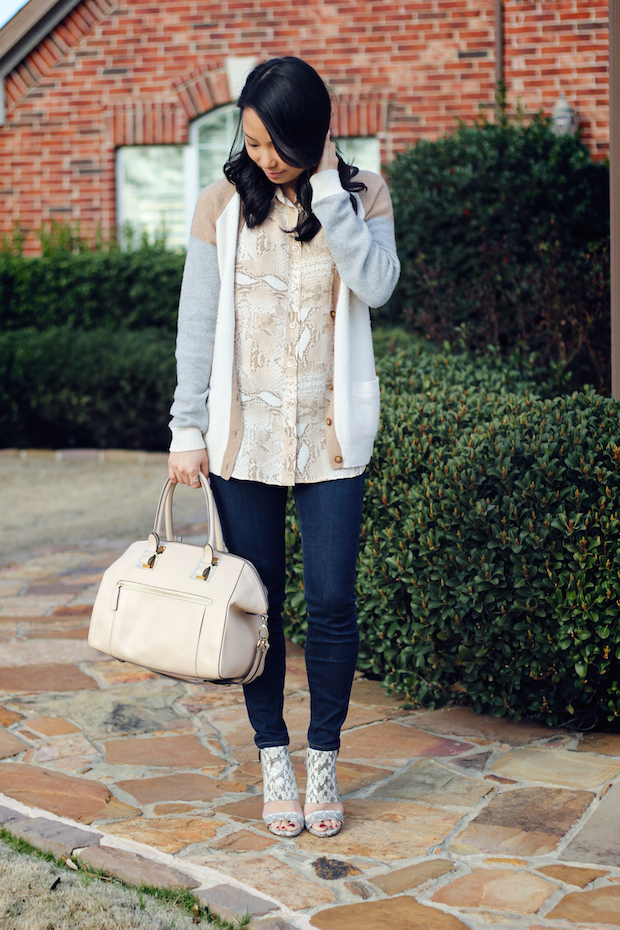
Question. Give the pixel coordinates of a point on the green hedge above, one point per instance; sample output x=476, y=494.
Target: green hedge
x=489, y=569
x=91, y=290
x=504, y=228
x=65, y=387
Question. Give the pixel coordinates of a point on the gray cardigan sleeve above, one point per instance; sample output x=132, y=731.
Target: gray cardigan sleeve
x=364, y=249
x=194, y=353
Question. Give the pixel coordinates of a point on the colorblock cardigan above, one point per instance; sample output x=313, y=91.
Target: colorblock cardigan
x=206, y=409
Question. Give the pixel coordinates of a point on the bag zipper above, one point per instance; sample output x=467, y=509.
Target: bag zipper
x=161, y=592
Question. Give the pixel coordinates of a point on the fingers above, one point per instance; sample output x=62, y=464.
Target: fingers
x=186, y=467
x=329, y=158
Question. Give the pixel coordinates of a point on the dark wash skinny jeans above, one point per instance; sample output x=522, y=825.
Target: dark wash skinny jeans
x=330, y=513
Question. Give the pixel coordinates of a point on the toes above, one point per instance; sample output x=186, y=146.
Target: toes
x=285, y=826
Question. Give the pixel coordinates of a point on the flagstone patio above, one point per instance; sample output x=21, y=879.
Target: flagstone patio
x=452, y=820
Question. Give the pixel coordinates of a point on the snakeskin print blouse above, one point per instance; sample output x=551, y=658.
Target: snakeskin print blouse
x=284, y=350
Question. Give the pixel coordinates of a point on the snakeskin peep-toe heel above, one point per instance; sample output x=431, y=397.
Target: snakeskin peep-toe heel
x=279, y=784
x=322, y=788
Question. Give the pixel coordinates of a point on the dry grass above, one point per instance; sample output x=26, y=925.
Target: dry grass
x=27, y=901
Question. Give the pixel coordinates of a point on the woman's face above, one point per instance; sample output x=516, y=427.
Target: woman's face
x=261, y=150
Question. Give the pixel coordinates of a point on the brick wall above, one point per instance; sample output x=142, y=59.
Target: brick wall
x=119, y=72
x=561, y=46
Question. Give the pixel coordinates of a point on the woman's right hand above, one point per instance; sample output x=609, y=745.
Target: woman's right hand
x=185, y=467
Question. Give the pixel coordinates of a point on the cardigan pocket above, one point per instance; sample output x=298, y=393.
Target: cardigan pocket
x=366, y=399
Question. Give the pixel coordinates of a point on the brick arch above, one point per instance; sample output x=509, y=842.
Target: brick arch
x=147, y=123
x=354, y=114
x=361, y=115
x=201, y=91
x=167, y=123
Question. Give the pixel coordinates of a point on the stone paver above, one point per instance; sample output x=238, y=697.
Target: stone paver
x=427, y=780
x=231, y=903
x=170, y=834
x=274, y=878
x=81, y=799
x=54, y=837
x=35, y=652
x=244, y=841
x=599, y=906
x=599, y=838
x=385, y=830
x=452, y=819
x=177, y=751
x=386, y=915
x=557, y=767
x=135, y=869
x=572, y=875
x=7, y=717
x=143, y=707
x=525, y=822
x=10, y=745
x=404, y=879
x=7, y=815
x=52, y=726
x=502, y=889
x=69, y=753
x=603, y=744
x=266, y=924
x=186, y=786
x=396, y=744
x=462, y=721
x=121, y=673
x=45, y=678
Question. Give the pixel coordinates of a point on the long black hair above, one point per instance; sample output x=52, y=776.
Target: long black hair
x=294, y=105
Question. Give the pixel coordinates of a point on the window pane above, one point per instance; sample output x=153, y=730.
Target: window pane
x=215, y=136
x=151, y=191
x=362, y=151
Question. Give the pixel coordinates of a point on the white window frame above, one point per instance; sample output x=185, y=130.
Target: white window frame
x=192, y=186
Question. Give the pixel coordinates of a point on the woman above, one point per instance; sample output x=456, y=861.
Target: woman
x=277, y=388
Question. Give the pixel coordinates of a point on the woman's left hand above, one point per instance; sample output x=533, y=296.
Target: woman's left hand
x=329, y=159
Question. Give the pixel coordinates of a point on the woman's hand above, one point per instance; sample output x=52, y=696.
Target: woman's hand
x=329, y=159
x=185, y=467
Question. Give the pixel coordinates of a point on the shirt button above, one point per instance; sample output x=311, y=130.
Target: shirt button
x=289, y=364
x=329, y=423
x=293, y=325
x=333, y=313
x=338, y=459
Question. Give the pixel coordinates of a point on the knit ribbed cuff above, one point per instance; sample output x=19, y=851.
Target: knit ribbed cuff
x=325, y=184
x=187, y=439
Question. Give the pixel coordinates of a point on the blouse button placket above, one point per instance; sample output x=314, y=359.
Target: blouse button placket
x=290, y=375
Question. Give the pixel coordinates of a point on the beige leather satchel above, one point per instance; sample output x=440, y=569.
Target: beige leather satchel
x=197, y=613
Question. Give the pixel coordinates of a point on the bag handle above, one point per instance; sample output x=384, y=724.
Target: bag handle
x=163, y=515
